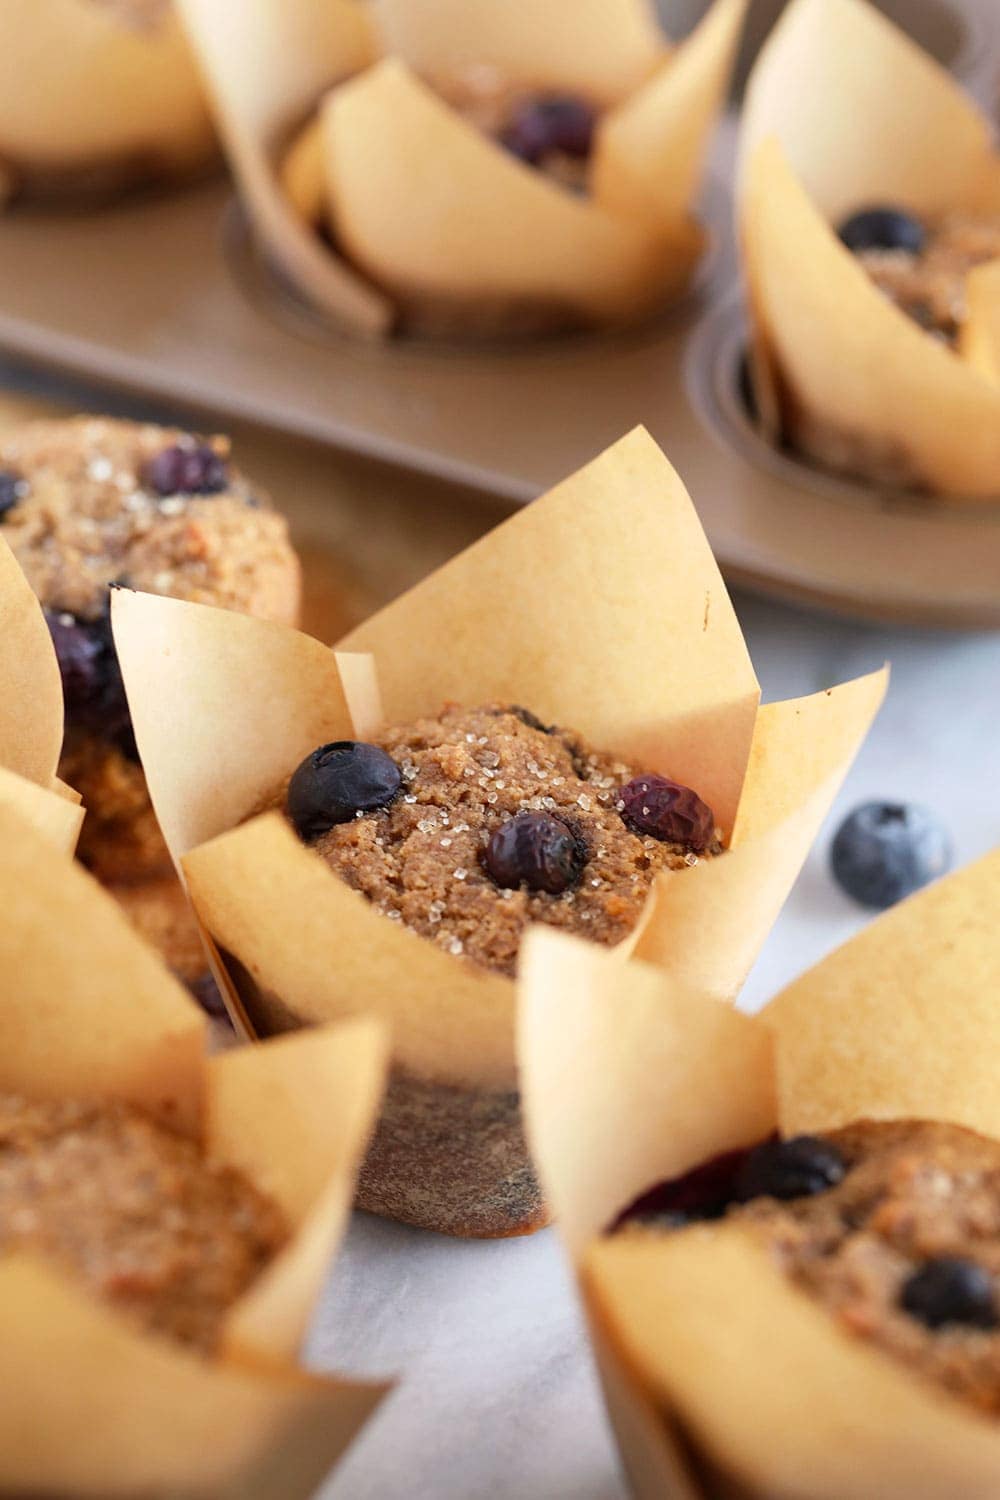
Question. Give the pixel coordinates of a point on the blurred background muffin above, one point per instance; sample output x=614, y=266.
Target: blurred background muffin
x=97, y=96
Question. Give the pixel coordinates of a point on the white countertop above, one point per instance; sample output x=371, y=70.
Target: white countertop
x=497, y=1399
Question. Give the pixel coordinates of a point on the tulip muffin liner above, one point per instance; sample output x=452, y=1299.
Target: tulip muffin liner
x=31, y=713
x=600, y=607
x=442, y=229
x=92, y=102
x=842, y=112
x=722, y=1378
x=90, y=1405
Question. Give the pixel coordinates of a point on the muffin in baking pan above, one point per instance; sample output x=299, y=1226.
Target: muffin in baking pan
x=98, y=96
x=869, y=215
x=470, y=169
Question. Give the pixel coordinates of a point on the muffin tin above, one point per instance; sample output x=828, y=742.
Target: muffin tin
x=166, y=296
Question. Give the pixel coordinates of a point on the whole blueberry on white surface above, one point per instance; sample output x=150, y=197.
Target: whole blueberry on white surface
x=884, y=851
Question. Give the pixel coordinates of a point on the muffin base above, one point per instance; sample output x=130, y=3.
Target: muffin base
x=443, y=1157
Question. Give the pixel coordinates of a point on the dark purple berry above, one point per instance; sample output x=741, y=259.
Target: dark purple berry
x=93, y=691
x=338, y=781
x=532, y=721
x=703, y=1193
x=883, y=229
x=558, y=123
x=664, y=809
x=796, y=1168
x=181, y=469
x=949, y=1289
x=206, y=992
x=884, y=851
x=535, y=850
x=13, y=488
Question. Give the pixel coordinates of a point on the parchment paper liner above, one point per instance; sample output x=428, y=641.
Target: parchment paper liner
x=630, y=1077
x=31, y=713
x=843, y=111
x=600, y=607
x=88, y=101
x=454, y=229
x=91, y=1407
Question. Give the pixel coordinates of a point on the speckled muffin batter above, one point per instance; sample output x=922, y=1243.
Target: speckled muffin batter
x=893, y=1227
x=167, y=1238
x=929, y=285
x=89, y=502
x=470, y=825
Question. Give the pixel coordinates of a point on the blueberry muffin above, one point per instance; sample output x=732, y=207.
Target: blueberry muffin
x=97, y=96
x=89, y=502
x=86, y=503
x=921, y=264
x=169, y=1239
x=468, y=826
x=894, y=1228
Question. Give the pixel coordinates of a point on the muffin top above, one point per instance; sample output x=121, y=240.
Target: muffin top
x=894, y=1227
x=86, y=502
x=470, y=825
x=169, y=1239
x=921, y=264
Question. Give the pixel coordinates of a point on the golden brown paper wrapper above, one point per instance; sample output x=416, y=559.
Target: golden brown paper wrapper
x=263, y=72
x=844, y=111
x=93, y=1407
x=31, y=722
x=91, y=101
x=559, y=609
x=628, y=1079
x=31, y=719
x=31, y=714
x=602, y=49
x=450, y=231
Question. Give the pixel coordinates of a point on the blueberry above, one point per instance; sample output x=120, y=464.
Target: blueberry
x=666, y=810
x=703, y=1193
x=555, y=123
x=186, y=470
x=884, y=851
x=949, y=1289
x=532, y=721
x=883, y=229
x=338, y=781
x=535, y=850
x=13, y=488
x=93, y=691
x=796, y=1168
x=206, y=992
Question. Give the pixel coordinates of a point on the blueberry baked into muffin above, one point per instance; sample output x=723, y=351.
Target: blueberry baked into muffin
x=87, y=503
x=139, y=1214
x=468, y=826
x=921, y=264
x=893, y=1227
